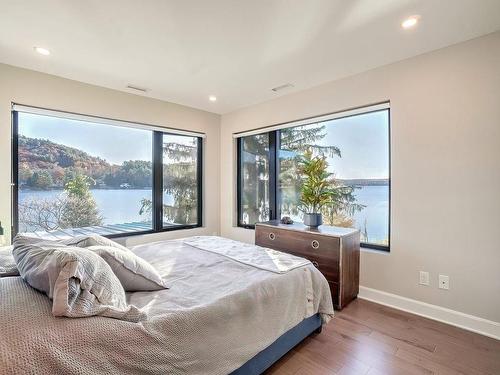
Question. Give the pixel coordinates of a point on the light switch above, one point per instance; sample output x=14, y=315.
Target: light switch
x=424, y=278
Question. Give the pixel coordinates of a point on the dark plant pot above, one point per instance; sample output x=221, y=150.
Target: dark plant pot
x=313, y=220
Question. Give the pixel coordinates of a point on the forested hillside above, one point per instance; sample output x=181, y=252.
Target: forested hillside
x=44, y=164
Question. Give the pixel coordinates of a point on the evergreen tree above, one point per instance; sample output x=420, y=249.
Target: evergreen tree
x=180, y=182
x=294, y=142
x=80, y=209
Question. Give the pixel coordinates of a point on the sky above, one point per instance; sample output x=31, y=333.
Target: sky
x=112, y=143
x=363, y=141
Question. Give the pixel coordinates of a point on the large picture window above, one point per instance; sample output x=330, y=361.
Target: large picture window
x=82, y=176
x=356, y=147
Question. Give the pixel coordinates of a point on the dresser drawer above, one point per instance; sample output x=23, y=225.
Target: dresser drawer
x=326, y=266
x=303, y=243
x=323, y=251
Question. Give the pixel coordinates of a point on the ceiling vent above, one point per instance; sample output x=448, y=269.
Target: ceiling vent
x=137, y=88
x=282, y=87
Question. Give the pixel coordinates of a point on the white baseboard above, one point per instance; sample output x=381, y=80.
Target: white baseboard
x=441, y=314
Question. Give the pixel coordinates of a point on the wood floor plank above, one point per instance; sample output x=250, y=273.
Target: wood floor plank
x=300, y=362
x=345, y=328
x=370, y=339
x=325, y=351
x=436, y=367
x=405, y=334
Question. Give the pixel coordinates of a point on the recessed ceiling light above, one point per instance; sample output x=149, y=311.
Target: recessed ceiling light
x=42, y=51
x=410, y=22
x=212, y=98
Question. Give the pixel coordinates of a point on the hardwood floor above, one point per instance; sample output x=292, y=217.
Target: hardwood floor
x=367, y=338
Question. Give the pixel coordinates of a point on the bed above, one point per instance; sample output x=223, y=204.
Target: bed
x=221, y=315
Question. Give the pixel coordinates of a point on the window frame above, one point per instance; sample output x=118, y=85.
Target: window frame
x=274, y=207
x=273, y=191
x=157, y=177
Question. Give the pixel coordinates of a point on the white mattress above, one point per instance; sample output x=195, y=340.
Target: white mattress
x=217, y=314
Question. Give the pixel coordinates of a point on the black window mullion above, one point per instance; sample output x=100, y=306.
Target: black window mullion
x=239, y=190
x=199, y=180
x=157, y=181
x=272, y=176
x=277, y=175
x=15, y=175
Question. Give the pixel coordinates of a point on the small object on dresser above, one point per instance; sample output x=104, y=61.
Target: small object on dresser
x=313, y=220
x=286, y=220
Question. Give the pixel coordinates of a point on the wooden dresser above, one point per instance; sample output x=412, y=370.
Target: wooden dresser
x=333, y=250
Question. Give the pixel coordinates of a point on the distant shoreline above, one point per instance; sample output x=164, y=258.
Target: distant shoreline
x=348, y=182
x=365, y=182
x=92, y=188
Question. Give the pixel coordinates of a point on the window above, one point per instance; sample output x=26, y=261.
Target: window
x=81, y=175
x=180, y=180
x=356, y=147
x=254, y=179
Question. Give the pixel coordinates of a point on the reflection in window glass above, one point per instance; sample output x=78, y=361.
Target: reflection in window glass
x=254, y=175
x=180, y=182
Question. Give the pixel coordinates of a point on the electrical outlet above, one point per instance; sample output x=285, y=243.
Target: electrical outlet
x=444, y=282
x=424, y=278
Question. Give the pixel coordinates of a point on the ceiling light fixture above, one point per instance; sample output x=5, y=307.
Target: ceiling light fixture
x=42, y=51
x=410, y=22
x=212, y=98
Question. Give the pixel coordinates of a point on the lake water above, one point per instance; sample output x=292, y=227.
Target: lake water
x=116, y=205
x=376, y=212
x=122, y=206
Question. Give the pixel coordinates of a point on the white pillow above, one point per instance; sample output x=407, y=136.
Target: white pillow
x=135, y=273
x=92, y=240
x=79, y=282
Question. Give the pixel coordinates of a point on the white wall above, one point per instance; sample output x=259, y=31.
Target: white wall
x=445, y=109
x=38, y=89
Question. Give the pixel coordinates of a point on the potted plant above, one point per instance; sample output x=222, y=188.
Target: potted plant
x=317, y=190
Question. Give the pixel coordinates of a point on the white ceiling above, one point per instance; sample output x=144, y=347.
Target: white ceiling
x=183, y=51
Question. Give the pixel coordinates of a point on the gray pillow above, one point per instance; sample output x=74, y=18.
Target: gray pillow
x=8, y=265
x=92, y=240
x=79, y=282
x=134, y=273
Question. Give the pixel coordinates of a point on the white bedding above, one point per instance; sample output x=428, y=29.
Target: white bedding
x=263, y=258
x=217, y=315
